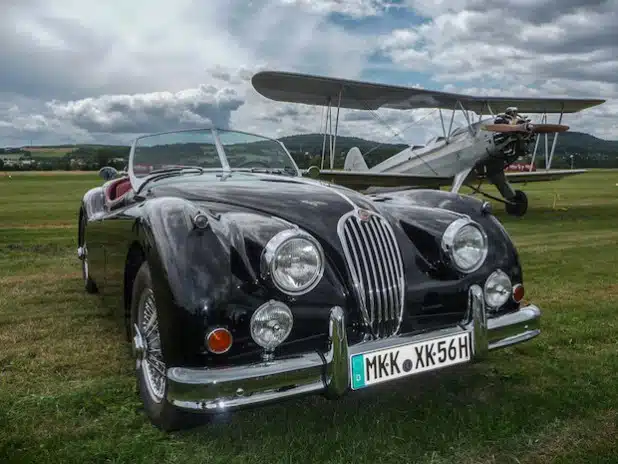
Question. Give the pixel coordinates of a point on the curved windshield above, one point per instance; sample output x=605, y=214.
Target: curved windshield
x=244, y=150
x=175, y=149
x=198, y=149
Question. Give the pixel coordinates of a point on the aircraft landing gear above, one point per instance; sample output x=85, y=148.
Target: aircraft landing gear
x=518, y=205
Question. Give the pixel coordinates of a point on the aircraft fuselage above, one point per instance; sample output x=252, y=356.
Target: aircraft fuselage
x=444, y=157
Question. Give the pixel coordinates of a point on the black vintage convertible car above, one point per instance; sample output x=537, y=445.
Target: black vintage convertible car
x=242, y=282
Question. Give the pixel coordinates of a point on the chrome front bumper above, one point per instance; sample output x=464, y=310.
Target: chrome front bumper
x=223, y=389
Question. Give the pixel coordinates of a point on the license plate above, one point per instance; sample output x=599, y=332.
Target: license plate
x=392, y=363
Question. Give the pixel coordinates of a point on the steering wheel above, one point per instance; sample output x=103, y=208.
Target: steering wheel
x=263, y=163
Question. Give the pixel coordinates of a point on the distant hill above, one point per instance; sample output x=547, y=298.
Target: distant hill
x=375, y=152
x=580, y=142
x=313, y=142
x=587, y=151
x=567, y=142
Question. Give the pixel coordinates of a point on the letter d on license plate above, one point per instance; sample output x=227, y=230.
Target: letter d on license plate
x=391, y=363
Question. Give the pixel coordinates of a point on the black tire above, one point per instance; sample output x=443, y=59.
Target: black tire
x=89, y=284
x=161, y=413
x=519, y=207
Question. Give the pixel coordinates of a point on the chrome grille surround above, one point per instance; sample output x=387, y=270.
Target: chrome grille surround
x=375, y=265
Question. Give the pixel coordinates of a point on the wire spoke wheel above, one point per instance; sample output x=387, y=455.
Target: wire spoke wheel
x=152, y=364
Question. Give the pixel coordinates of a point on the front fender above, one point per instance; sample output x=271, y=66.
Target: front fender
x=209, y=277
x=455, y=202
x=191, y=262
x=190, y=270
x=425, y=214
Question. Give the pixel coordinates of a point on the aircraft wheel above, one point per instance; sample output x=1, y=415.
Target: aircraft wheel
x=520, y=205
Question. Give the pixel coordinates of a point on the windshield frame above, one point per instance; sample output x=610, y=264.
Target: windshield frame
x=136, y=182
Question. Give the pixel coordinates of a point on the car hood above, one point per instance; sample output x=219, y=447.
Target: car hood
x=312, y=205
x=259, y=204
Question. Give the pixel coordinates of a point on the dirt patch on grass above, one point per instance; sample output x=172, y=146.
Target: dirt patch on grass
x=52, y=225
x=44, y=173
x=39, y=278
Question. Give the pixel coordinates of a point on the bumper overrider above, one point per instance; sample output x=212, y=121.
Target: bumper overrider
x=343, y=366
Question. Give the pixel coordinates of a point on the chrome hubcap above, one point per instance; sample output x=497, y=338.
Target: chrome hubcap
x=147, y=346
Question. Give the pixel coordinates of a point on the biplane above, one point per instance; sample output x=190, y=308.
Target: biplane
x=471, y=154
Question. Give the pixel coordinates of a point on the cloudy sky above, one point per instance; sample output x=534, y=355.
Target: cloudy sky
x=84, y=71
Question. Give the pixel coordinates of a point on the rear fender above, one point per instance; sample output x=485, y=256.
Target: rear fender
x=93, y=203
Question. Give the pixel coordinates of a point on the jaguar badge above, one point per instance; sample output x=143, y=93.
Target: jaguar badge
x=363, y=215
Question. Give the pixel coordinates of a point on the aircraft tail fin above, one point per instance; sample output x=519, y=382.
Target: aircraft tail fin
x=354, y=161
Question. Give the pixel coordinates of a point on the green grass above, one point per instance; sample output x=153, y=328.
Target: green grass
x=67, y=392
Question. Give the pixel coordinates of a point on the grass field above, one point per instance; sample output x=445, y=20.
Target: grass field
x=67, y=393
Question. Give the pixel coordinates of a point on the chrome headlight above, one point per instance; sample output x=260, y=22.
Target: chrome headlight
x=271, y=324
x=465, y=242
x=498, y=289
x=294, y=261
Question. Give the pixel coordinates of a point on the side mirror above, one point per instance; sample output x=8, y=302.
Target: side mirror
x=108, y=173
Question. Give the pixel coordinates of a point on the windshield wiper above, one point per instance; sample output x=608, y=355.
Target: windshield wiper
x=170, y=172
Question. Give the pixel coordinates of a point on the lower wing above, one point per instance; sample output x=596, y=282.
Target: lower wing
x=362, y=180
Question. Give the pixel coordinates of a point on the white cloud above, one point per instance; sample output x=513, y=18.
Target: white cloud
x=151, y=112
x=75, y=69
x=352, y=8
x=516, y=48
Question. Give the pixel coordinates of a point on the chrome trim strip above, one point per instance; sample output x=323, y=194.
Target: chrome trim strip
x=214, y=390
x=334, y=191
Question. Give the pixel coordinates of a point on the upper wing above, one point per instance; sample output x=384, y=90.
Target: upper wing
x=318, y=90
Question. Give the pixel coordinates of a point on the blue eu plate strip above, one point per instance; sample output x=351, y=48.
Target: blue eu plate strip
x=358, y=372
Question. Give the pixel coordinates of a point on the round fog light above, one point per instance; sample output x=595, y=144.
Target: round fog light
x=498, y=289
x=271, y=324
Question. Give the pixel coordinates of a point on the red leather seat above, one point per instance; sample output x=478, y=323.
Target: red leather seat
x=122, y=188
x=117, y=189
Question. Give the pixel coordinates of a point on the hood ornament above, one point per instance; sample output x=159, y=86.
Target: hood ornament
x=363, y=215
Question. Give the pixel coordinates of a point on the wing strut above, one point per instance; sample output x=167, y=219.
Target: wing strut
x=553, y=145
x=549, y=154
x=332, y=137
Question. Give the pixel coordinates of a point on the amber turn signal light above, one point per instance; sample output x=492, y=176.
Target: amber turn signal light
x=219, y=340
x=518, y=293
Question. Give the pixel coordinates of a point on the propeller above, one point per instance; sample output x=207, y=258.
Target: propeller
x=527, y=128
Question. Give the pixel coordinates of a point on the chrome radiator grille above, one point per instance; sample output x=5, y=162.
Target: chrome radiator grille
x=376, y=268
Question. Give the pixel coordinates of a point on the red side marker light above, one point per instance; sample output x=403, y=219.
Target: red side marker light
x=219, y=340
x=518, y=293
